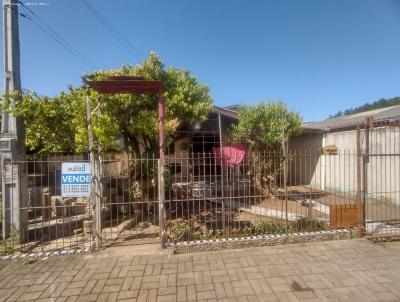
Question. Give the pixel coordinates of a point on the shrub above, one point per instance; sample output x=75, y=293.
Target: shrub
x=179, y=231
x=309, y=225
x=272, y=227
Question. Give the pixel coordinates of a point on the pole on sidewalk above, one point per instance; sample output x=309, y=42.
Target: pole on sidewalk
x=14, y=180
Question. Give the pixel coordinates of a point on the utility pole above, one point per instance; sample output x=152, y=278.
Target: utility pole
x=12, y=141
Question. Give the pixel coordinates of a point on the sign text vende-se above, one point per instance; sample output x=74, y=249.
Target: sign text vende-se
x=75, y=179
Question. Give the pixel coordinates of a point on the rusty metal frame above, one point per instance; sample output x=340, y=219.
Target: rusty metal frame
x=137, y=85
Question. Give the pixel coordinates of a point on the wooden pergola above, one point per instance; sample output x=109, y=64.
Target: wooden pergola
x=136, y=85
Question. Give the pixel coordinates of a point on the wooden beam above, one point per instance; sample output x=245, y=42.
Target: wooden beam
x=127, y=86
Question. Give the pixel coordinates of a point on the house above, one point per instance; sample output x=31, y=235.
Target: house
x=189, y=153
x=325, y=154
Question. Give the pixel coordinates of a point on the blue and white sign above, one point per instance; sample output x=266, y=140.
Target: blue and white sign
x=75, y=179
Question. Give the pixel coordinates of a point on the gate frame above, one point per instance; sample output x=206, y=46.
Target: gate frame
x=134, y=85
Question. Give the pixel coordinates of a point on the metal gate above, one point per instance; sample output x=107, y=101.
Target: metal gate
x=381, y=179
x=129, y=200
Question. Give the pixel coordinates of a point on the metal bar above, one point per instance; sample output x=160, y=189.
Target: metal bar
x=365, y=166
x=161, y=185
x=383, y=154
x=93, y=198
x=222, y=170
x=359, y=195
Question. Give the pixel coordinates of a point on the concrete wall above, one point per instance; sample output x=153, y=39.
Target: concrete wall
x=310, y=166
x=341, y=169
x=304, y=163
x=384, y=171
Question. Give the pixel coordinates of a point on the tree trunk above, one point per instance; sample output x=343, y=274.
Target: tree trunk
x=125, y=161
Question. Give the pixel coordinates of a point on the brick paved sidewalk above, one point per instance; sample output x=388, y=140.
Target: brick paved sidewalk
x=351, y=270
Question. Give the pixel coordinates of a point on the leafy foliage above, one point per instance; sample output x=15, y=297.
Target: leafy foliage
x=308, y=224
x=266, y=125
x=381, y=103
x=135, y=118
x=49, y=121
x=59, y=124
x=271, y=227
x=179, y=231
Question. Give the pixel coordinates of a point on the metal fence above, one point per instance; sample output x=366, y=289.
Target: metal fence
x=380, y=142
x=41, y=219
x=209, y=194
x=129, y=199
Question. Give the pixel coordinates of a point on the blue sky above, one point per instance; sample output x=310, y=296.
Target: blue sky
x=318, y=56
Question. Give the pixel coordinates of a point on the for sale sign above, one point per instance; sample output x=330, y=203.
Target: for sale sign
x=75, y=179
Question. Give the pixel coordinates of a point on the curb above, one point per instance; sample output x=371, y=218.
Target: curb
x=45, y=255
x=256, y=241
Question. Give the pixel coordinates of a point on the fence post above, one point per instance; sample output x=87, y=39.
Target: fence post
x=285, y=155
x=369, y=123
x=94, y=185
x=161, y=206
x=98, y=193
x=359, y=197
x=222, y=172
x=161, y=162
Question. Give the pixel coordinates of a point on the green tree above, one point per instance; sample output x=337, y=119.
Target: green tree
x=381, y=103
x=59, y=124
x=266, y=125
x=135, y=118
x=48, y=121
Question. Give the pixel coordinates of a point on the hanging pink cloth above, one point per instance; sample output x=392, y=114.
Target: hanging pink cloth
x=231, y=155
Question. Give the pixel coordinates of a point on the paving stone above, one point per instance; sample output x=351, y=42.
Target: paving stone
x=219, y=290
x=181, y=293
x=99, y=286
x=355, y=270
x=128, y=294
x=243, y=291
x=205, y=295
x=191, y=293
x=166, y=291
x=29, y=296
x=88, y=298
x=111, y=288
x=142, y=296
x=282, y=287
x=71, y=291
x=166, y=298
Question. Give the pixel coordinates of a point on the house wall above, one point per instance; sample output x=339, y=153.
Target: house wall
x=304, y=164
x=341, y=169
x=384, y=171
x=339, y=172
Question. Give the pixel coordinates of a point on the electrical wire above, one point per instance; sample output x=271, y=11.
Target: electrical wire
x=117, y=35
x=42, y=25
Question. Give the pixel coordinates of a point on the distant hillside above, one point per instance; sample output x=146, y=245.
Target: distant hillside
x=369, y=106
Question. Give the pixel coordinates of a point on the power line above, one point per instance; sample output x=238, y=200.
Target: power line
x=117, y=35
x=30, y=15
x=60, y=42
